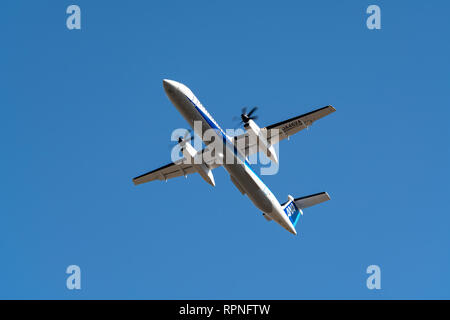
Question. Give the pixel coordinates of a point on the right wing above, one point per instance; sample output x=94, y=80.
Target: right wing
x=172, y=170
x=169, y=171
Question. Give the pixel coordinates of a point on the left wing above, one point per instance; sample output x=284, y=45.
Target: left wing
x=284, y=129
x=287, y=128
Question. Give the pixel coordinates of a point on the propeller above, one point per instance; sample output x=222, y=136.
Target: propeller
x=246, y=117
x=184, y=138
x=188, y=133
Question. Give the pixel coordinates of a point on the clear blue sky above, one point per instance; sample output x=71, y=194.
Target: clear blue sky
x=82, y=112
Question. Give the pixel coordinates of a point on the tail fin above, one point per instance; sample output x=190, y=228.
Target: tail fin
x=292, y=211
x=293, y=208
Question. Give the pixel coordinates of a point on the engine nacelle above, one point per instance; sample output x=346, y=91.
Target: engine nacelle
x=205, y=173
x=255, y=132
x=188, y=151
x=203, y=170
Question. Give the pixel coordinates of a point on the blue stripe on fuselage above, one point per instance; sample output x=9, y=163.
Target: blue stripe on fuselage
x=226, y=140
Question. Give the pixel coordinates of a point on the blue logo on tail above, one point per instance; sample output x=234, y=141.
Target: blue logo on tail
x=292, y=212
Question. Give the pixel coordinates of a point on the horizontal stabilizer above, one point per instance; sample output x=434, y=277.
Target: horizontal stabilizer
x=293, y=208
x=308, y=201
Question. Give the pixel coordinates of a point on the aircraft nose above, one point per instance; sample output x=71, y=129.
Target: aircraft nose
x=169, y=85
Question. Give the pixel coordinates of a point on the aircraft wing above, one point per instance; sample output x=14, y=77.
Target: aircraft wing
x=284, y=129
x=169, y=171
x=293, y=125
x=172, y=170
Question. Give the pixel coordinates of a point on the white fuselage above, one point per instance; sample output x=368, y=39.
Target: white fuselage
x=192, y=110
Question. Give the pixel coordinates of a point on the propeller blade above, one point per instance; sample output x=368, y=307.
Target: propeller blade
x=184, y=138
x=245, y=117
x=251, y=111
x=188, y=133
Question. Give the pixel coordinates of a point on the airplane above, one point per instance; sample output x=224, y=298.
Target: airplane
x=241, y=174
